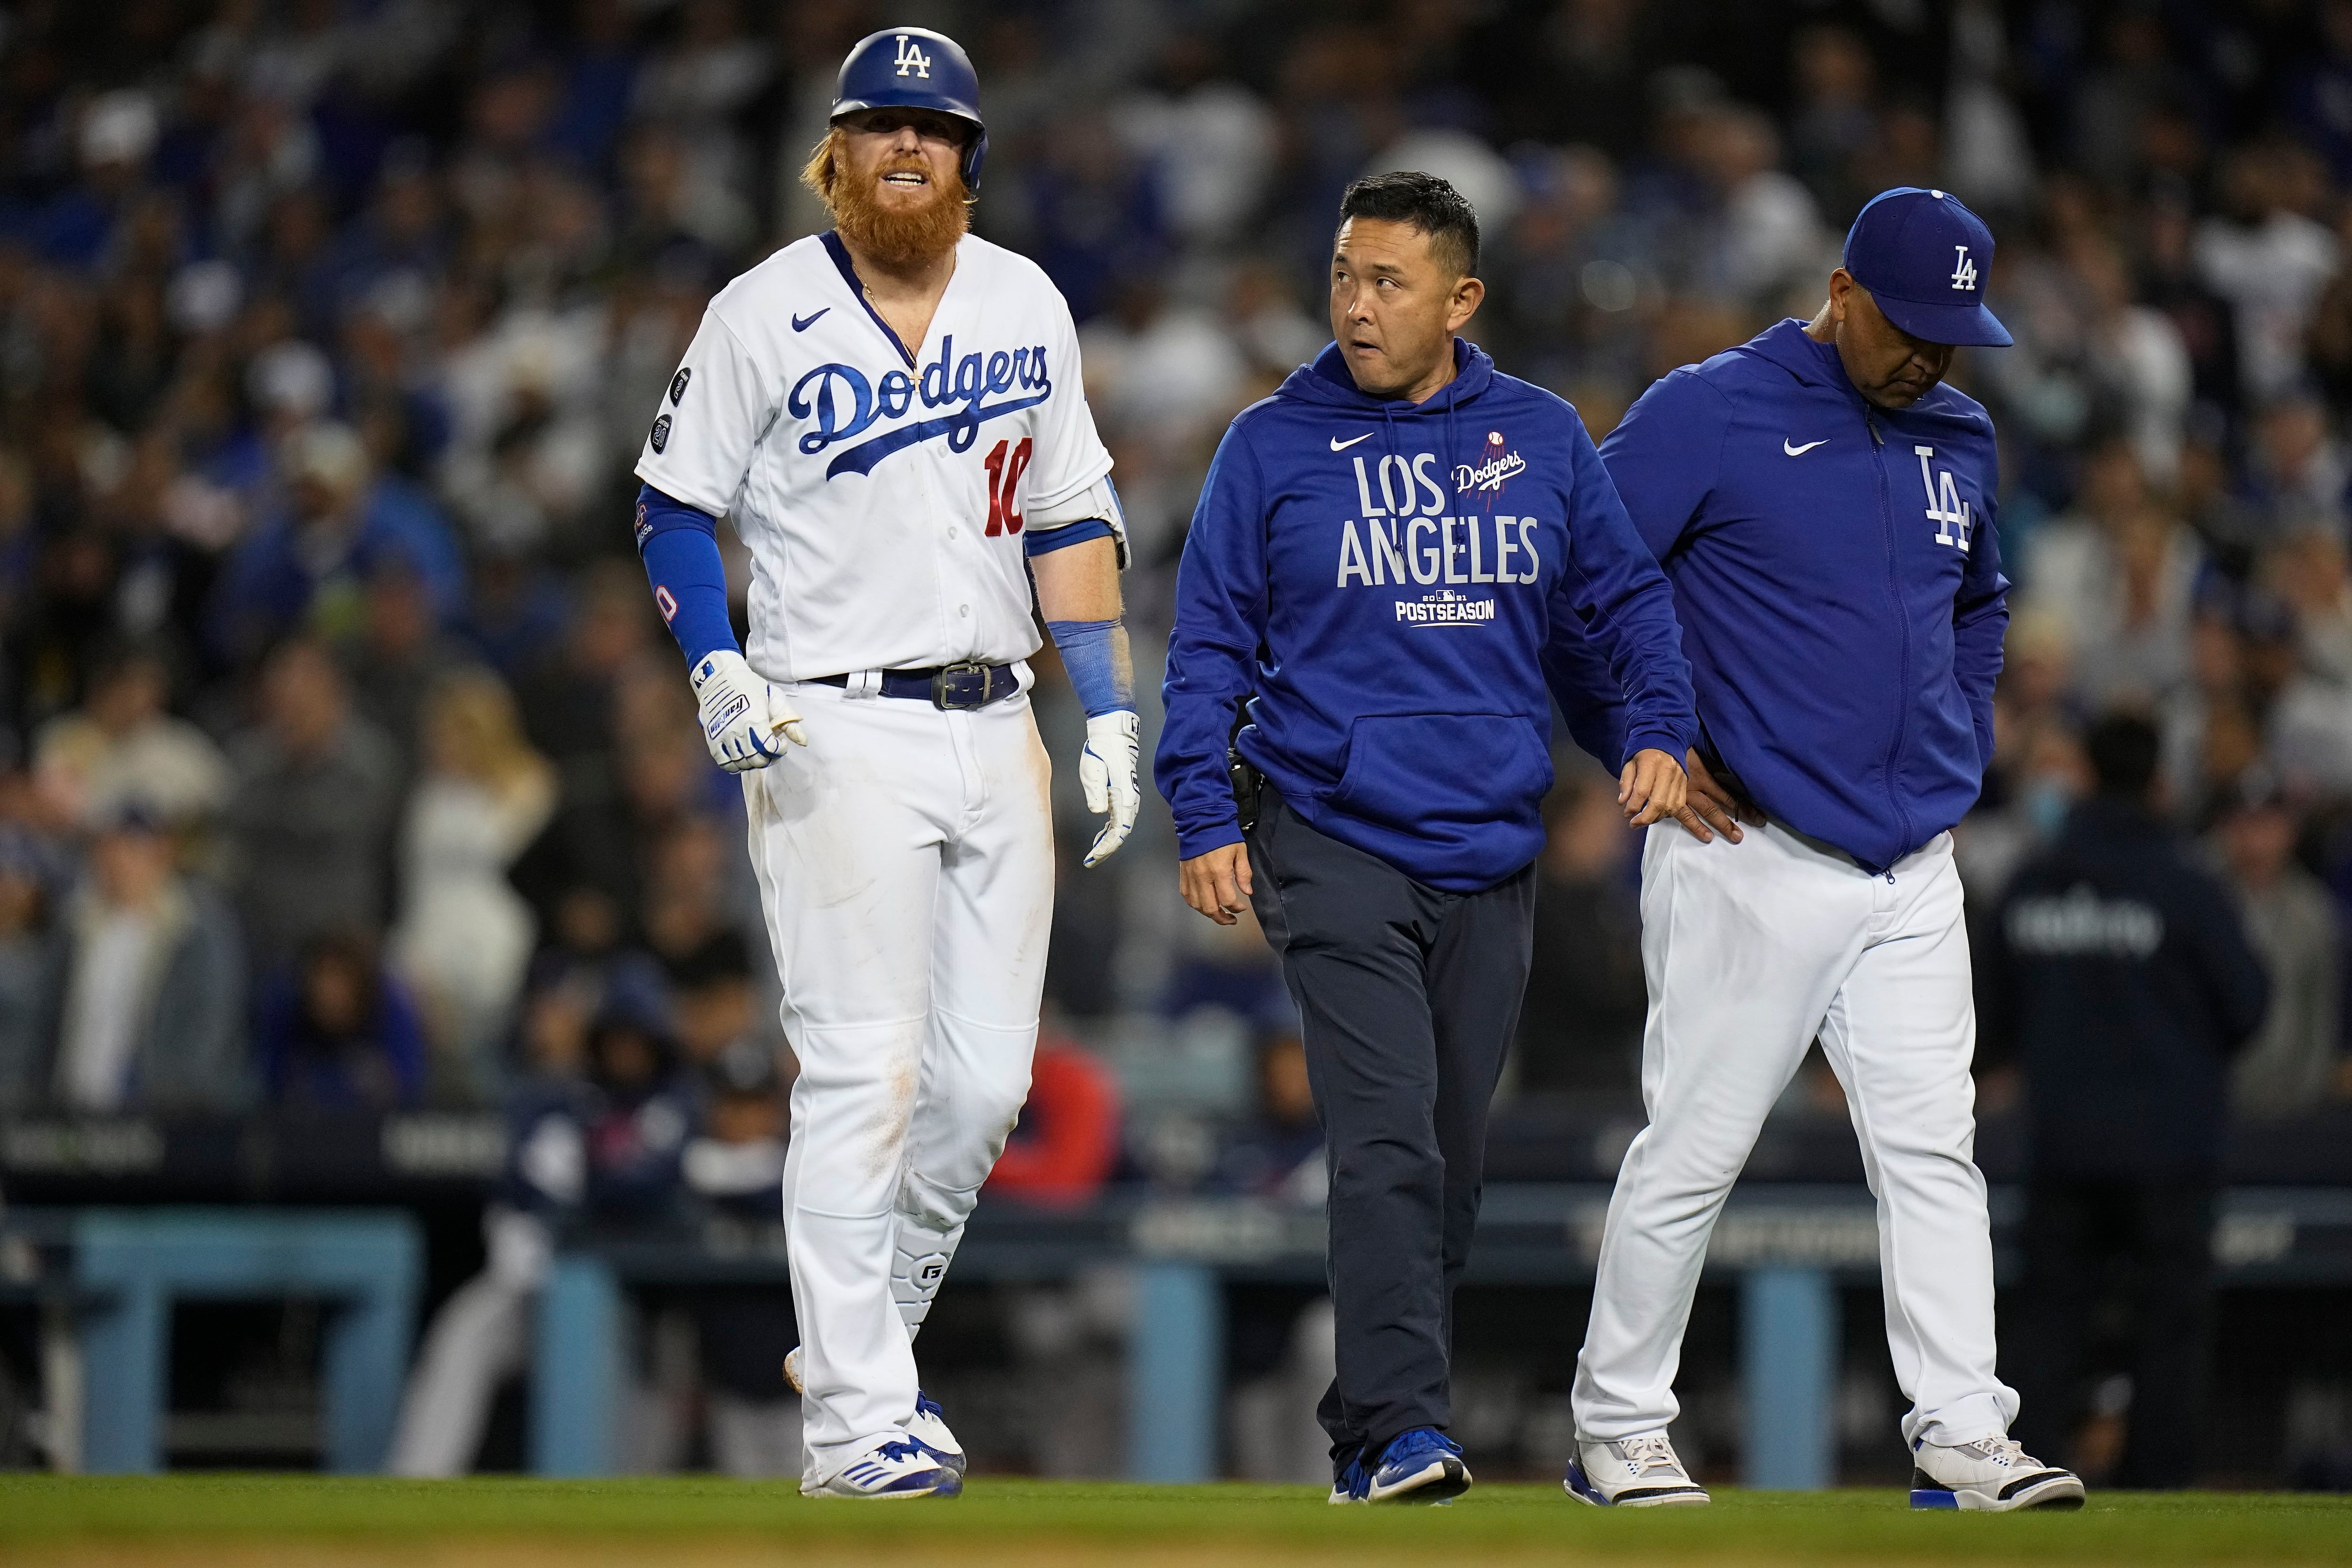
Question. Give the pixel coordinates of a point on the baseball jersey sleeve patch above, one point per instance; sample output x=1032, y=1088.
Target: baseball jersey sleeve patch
x=677, y=385
x=661, y=432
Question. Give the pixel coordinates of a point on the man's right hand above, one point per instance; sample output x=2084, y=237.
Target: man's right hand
x=745, y=720
x=1710, y=804
x=1217, y=883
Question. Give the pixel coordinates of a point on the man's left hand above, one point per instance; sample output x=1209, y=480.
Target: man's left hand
x=1651, y=788
x=1107, y=773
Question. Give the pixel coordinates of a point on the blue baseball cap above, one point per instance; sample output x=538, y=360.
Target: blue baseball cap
x=1925, y=257
x=915, y=67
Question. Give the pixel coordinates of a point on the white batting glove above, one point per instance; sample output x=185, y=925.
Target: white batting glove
x=1107, y=773
x=745, y=720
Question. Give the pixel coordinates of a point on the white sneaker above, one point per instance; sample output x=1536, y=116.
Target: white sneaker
x=1635, y=1472
x=889, y=1467
x=928, y=1425
x=1992, y=1474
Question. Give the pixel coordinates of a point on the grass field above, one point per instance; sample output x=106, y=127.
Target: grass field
x=279, y=1522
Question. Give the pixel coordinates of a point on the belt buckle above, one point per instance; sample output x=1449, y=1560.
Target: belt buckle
x=962, y=687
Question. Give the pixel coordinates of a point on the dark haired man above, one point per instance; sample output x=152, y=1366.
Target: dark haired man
x=1393, y=557
x=2123, y=982
x=1823, y=507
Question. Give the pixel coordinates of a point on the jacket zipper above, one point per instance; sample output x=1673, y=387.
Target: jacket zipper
x=1903, y=620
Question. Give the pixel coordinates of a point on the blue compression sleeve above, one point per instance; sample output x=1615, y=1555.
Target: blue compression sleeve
x=1095, y=653
x=1044, y=540
x=679, y=545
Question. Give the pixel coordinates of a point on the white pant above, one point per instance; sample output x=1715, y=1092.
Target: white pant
x=906, y=861
x=1751, y=949
x=479, y=1338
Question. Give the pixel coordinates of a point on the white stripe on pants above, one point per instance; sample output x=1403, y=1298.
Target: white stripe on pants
x=1751, y=949
x=906, y=860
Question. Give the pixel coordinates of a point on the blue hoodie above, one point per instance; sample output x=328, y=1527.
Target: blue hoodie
x=1838, y=578
x=1395, y=583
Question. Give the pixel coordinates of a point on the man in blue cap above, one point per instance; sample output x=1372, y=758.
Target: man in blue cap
x=1823, y=507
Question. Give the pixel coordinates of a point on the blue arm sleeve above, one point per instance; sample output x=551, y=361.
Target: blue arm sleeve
x=1220, y=607
x=679, y=545
x=1095, y=656
x=1613, y=589
x=1045, y=540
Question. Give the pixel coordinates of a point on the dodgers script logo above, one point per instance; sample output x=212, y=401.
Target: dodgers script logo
x=841, y=403
x=1495, y=466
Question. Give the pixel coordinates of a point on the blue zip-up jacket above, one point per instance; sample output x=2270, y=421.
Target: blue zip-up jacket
x=1395, y=583
x=1837, y=574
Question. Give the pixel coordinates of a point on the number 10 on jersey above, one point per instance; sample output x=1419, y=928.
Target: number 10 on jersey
x=1005, y=471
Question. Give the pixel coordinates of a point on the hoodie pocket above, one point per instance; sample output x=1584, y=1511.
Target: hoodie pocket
x=1411, y=772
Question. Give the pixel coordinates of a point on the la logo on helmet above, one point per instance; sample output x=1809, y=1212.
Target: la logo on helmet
x=910, y=57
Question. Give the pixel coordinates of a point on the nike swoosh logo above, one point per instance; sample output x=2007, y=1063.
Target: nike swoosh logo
x=803, y=323
x=1801, y=451
x=1339, y=446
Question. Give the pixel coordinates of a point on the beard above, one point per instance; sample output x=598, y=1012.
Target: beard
x=899, y=236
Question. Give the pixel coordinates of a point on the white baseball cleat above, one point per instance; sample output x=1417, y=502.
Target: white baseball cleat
x=886, y=1468
x=1632, y=1472
x=928, y=1425
x=1991, y=1475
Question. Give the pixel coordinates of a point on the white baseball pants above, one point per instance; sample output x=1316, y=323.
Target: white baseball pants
x=1751, y=949
x=906, y=861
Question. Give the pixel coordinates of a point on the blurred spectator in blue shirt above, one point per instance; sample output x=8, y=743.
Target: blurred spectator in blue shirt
x=337, y=1031
x=305, y=562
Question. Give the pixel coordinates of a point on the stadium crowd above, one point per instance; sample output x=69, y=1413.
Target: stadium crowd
x=342, y=762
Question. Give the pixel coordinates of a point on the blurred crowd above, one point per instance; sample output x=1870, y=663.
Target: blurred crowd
x=342, y=762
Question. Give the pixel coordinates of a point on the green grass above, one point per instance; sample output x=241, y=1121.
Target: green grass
x=315, y=1519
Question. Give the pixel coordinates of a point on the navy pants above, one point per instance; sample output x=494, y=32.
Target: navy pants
x=1407, y=998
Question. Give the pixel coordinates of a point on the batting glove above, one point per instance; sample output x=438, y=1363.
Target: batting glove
x=745, y=720
x=1107, y=773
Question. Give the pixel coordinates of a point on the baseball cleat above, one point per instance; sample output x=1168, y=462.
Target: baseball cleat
x=1991, y=1475
x=893, y=1465
x=1353, y=1482
x=1632, y=1472
x=928, y=1426
x=1419, y=1466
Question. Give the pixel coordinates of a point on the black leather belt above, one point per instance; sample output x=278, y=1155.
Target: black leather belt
x=958, y=687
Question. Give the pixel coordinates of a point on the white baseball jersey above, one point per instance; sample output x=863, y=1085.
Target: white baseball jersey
x=883, y=497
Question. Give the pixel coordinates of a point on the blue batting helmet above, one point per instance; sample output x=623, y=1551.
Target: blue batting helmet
x=914, y=67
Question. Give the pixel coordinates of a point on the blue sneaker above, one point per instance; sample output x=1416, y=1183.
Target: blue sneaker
x=1419, y=1466
x=1353, y=1482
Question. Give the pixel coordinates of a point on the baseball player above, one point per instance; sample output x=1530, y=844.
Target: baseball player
x=1824, y=508
x=891, y=413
